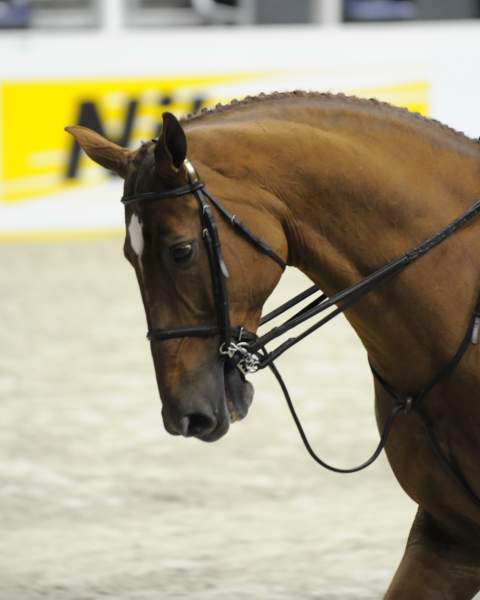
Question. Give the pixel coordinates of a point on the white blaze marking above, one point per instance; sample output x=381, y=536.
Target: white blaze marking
x=136, y=238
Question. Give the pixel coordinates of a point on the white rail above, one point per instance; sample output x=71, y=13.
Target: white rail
x=327, y=12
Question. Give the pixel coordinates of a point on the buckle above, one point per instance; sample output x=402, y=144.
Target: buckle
x=245, y=361
x=192, y=174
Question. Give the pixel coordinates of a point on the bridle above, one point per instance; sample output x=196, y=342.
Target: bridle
x=229, y=336
x=248, y=352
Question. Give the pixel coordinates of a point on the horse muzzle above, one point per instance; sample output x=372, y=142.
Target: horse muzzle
x=207, y=416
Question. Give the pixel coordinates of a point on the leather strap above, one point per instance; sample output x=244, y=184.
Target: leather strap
x=239, y=334
x=244, y=231
x=347, y=297
x=218, y=269
x=160, y=335
x=154, y=196
x=414, y=403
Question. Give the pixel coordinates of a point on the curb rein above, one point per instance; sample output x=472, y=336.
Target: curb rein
x=248, y=352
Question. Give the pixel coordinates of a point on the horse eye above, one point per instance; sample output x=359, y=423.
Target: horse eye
x=182, y=252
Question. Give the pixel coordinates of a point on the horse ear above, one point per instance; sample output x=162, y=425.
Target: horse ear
x=99, y=149
x=171, y=148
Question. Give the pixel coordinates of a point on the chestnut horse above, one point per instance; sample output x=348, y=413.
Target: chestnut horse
x=337, y=187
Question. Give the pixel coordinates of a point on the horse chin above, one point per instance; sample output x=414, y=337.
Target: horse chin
x=238, y=393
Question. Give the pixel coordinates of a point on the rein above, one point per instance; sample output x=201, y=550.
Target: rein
x=248, y=352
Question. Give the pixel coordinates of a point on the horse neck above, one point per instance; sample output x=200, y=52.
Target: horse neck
x=352, y=206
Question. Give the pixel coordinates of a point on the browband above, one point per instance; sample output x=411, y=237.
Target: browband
x=189, y=188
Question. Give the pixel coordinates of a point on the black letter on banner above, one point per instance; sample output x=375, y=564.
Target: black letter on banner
x=88, y=117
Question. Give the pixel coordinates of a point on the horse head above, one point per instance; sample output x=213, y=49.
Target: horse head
x=201, y=392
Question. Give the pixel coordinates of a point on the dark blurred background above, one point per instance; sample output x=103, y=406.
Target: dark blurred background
x=157, y=13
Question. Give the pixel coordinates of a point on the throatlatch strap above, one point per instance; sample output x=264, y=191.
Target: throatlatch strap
x=245, y=231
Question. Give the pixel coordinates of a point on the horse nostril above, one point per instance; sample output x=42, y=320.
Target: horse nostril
x=196, y=424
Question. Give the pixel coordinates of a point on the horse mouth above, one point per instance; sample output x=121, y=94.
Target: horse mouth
x=238, y=393
x=232, y=406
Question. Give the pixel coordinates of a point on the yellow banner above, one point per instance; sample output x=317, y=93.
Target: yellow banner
x=38, y=158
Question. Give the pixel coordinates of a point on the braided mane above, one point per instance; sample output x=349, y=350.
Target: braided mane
x=328, y=97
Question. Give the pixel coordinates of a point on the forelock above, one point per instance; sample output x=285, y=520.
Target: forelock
x=142, y=167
